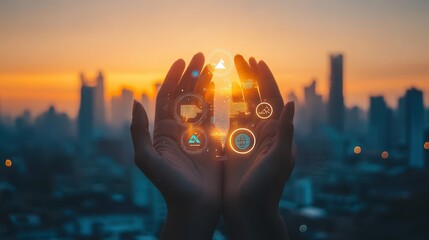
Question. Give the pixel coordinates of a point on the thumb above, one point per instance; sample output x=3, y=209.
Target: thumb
x=144, y=152
x=286, y=128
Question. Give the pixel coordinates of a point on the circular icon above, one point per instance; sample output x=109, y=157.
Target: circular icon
x=242, y=140
x=193, y=140
x=264, y=110
x=222, y=62
x=189, y=109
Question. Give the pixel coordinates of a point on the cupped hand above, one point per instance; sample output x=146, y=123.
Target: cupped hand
x=254, y=181
x=189, y=182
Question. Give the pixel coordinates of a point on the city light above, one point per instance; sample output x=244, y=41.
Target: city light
x=384, y=155
x=357, y=150
x=8, y=163
x=426, y=146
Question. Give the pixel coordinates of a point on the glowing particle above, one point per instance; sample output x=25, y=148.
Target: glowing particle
x=384, y=155
x=426, y=146
x=303, y=228
x=357, y=150
x=195, y=73
x=8, y=163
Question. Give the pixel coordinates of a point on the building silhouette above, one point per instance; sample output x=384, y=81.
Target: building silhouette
x=313, y=108
x=122, y=108
x=91, y=116
x=414, y=127
x=85, y=119
x=100, y=108
x=379, y=124
x=336, y=99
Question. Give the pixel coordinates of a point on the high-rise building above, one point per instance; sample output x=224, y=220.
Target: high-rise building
x=122, y=108
x=85, y=119
x=355, y=121
x=399, y=129
x=313, y=108
x=100, y=112
x=414, y=127
x=336, y=99
x=379, y=124
x=91, y=115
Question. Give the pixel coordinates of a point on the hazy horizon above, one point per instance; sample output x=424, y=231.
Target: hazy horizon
x=46, y=44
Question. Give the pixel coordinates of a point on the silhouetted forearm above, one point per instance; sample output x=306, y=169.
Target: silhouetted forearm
x=198, y=223
x=255, y=224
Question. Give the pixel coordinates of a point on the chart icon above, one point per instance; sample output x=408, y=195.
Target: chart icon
x=264, y=110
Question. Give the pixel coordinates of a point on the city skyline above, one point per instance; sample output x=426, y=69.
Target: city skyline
x=45, y=45
x=351, y=153
x=150, y=91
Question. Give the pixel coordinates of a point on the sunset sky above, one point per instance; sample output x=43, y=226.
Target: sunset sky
x=44, y=45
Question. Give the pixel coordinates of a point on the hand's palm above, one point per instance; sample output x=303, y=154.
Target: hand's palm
x=180, y=176
x=261, y=174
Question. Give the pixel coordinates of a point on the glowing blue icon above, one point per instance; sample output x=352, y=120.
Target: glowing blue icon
x=195, y=73
x=194, y=140
x=242, y=141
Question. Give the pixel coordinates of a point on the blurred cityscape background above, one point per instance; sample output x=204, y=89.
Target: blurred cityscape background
x=358, y=72
x=359, y=174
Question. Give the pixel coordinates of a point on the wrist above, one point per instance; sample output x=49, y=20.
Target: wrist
x=196, y=219
x=252, y=220
x=198, y=222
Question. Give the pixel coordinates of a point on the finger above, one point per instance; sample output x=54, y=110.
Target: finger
x=204, y=79
x=248, y=81
x=189, y=78
x=143, y=149
x=286, y=128
x=166, y=92
x=267, y=84
x=269, y=88
x=172, y=79
x=210, y=101
x=254, y=66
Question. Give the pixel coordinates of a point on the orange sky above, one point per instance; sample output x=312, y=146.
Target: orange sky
x=44, y=45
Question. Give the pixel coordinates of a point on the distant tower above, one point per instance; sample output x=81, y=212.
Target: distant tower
x=86, y=111
x=100, y=112
x=414, y=127
x=336, y=99
x=122, y=108
x=313, y=105
x=379, y=124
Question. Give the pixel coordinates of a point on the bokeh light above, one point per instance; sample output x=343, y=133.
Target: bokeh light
x=8, y=163
x=384, y=155
x=426, y=146
x=303, y=228
x=357, y=150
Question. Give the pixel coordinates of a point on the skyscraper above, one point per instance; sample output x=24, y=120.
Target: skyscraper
x=122, y=108
x=313, y=107
x=85, y=119
x=91, y=115
x=414, y=127
x=379, y=124
x=100, y=112
x=336, y=99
